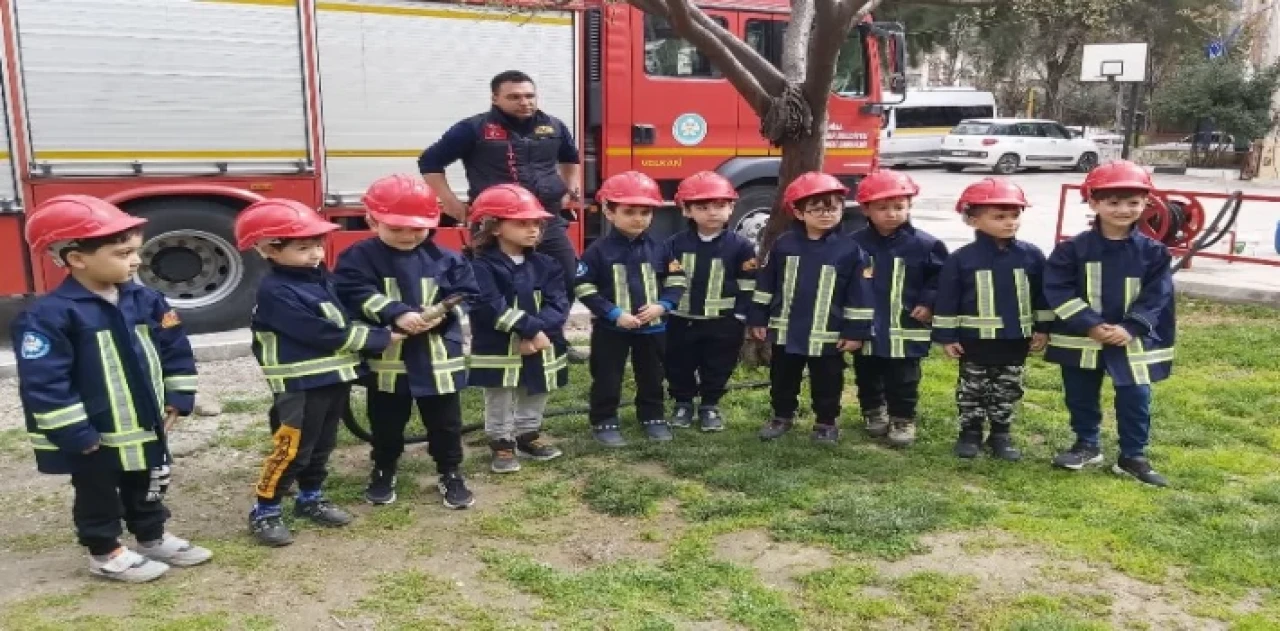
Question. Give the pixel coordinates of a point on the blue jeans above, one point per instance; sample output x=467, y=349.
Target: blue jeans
x=1083, y=390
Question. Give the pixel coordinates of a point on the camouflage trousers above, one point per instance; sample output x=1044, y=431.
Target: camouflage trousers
x=987, y=393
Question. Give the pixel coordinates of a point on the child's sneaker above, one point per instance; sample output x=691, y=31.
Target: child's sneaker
x=775, y=428
x=682, y=415
x=609, y=434
x=877, y=422
x=323, y=512
x=1140, y=469
x=969, y=444
x=126, y=566
x=902, y=432
x=826, y=433
x=709, y=418
x=504, y=457
x=267, y=526
x=174, y=551
x=1078, y=456
x=657, y=430
x=534, y=447
x=382, y=487
x=454, y=492
x=1001, y=446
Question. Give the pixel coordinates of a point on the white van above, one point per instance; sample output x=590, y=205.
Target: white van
x=914, y=129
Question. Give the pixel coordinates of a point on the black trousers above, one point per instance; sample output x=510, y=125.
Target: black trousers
x=555, y=244
x=104, y=495
x=701, y=356
x=441, y=414
x=608, y=363
x=892, y=383
x=826, y=382
x=305, y=436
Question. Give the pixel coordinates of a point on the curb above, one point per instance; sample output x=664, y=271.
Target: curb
x=1227, y=293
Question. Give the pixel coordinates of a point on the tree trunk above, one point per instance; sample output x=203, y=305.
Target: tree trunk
x=798, y=157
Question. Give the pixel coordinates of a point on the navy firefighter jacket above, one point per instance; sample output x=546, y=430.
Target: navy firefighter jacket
x=96, y=373
x=721, y=272
x=1091, y=280
x=812, y=293
x=618, y=274
x=302, y=336
x=991, y=290
x=904, y=274
x=381, y=283
x=517, y=302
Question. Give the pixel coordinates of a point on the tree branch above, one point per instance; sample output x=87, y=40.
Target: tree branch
x=832, y=21
x=795, y=43
x=770, y=79
x=682, y=20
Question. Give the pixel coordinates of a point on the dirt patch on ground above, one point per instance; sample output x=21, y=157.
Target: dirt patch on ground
x=777, y=562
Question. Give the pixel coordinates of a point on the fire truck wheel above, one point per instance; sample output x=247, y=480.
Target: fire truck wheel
x=188, y=255
x=751, y=213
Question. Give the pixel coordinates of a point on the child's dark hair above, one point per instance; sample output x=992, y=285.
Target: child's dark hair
x=1102, y=194
x=977, y=210
x=483, y=238
x=89, y=246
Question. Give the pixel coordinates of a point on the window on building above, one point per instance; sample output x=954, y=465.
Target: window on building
x=765, y=36
x=668, y=55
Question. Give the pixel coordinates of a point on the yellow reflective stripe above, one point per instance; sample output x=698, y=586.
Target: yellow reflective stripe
x=442, y=366
x=818, y=332
x=334, y=314
x=853, y=313
x=1093, y=285
x=386, y=366
x=585, y=289
x=909, y=335
x=270, y=357
x=673, y=281
x=715, y=300
x=123, y=412
x=790, y=269
x=155, y=371
x=1132, y=287
x=746, y=284
x=494, y=361
x=374, y=304
x=357, y=338
x=621, y=292
x=1133, y=351
x=688, y=261
x=389, y=367
x=987, y=325
x=1070, y=308
x=311, y=367
x=946, y=322
x=1153, y=357
x=1023, y=287
x=40, y=443
x=1074, y=342
x=649, y=280
x=429, y=289
x=1045, y=315
x=128, y=439
x=898, y=279
x=551, y=367
x=61, y=417
x=509, y=318
x=988, y=321
x=761, y=297
x=511, y=372
x=181, y=383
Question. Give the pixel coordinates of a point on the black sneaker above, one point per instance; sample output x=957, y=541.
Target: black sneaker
x=270, y=530
x=382, y=487
x=1001, y=446
x=775, y=428
x=322, y=512
x=609, y=434
x=1140, y=469
x=682, y=415
x=454, y=491
x=969, y=444
x=709, y=419
x=826, y=433
x=657, y=430
x=533, y=446
x=1078, y=456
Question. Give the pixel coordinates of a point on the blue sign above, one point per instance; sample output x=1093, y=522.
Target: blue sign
x=1216, y=49
x=689, y=129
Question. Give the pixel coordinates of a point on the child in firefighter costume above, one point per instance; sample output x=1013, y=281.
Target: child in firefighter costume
x=518, y=350
x=812, y=304
x=310, y=350
x=401, y=278
x=905, y=263
x=989, y=313
x=103, y=363
x=629, y=283
x=704, y=334
x=1112, y=290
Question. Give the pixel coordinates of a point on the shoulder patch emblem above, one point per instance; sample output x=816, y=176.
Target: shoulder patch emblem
x=494, y=131
x=750, y=264
x=582, y=268
x=170, y=319
x=544, y=130
x=674, y=267
x=34, y=345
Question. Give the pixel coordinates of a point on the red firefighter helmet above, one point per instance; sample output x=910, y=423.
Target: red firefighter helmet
x=632, y=188
x=991, y=191
x=74, y=218
x=506, y=201
x=703, y=186
x=279, y=219
x=886, y=184
x=402, y=201
x=808, y=185
x=1116, y=174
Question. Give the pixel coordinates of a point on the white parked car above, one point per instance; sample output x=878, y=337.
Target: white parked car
x=1006, y=145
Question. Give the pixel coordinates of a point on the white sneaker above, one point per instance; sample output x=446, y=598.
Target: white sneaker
x=127, y=566
x=175, y=551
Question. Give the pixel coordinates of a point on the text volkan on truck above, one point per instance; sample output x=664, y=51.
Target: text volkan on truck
x=186, y=111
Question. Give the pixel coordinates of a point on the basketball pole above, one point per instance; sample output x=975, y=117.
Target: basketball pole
x=1131, y=120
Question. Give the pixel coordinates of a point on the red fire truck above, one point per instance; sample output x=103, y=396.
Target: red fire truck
x=186, y=111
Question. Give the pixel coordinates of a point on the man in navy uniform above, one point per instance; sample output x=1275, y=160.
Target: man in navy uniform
x=513, y=143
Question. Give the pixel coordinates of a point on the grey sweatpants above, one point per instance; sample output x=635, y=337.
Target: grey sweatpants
x=512, y=412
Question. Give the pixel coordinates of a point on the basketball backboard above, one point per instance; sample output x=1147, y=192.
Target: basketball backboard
x=1125, y=63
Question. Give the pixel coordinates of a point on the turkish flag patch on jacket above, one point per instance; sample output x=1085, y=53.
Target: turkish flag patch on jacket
x=494, y=131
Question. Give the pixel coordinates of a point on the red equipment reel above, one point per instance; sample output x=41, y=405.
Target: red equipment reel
x=1174, y=220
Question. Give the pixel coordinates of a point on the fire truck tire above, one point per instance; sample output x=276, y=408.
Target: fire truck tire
x=751, y=213
x=188, y=254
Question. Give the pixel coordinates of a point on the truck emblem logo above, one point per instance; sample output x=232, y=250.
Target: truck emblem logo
x=689, y=129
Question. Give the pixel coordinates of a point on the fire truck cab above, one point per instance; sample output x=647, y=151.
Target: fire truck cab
x=187, y=111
